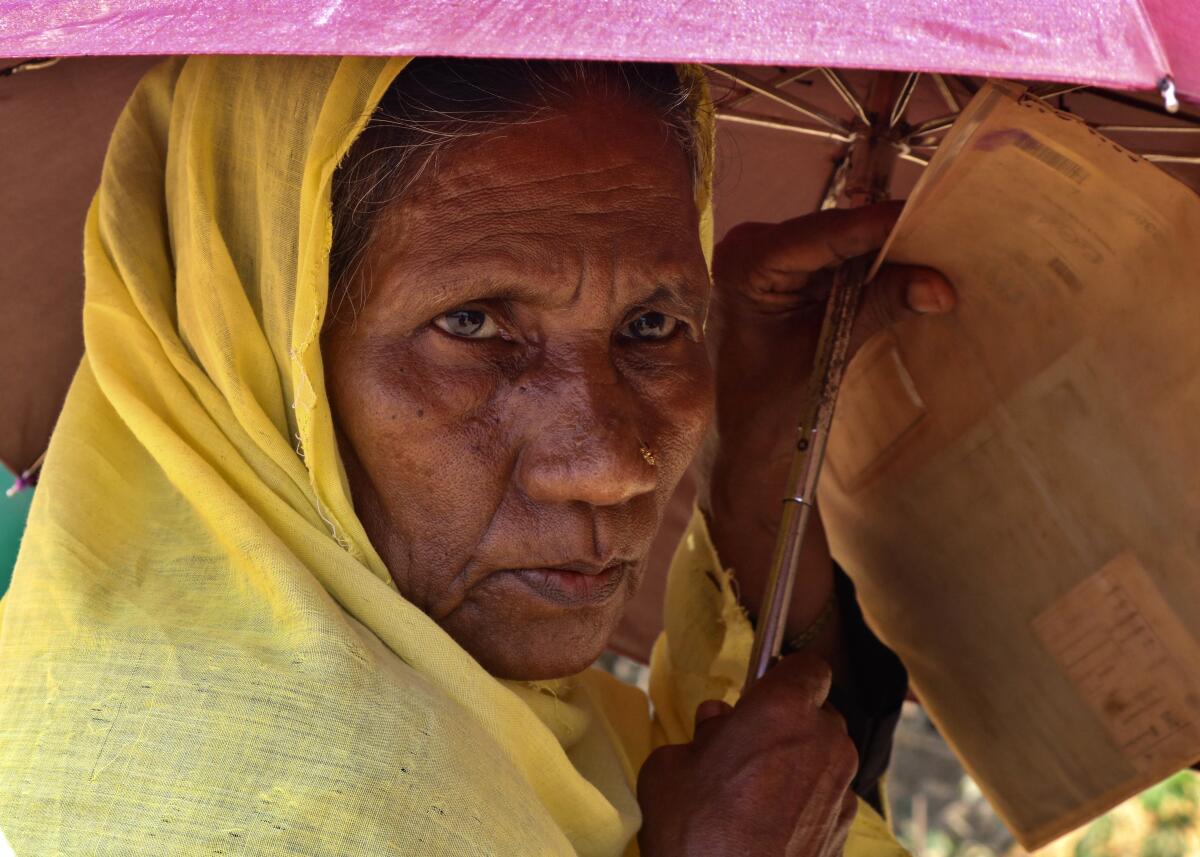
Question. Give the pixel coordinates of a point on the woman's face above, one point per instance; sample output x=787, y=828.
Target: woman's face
x=532, y=321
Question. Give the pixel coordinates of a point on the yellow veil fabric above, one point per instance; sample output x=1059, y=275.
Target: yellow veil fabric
x=201, y=653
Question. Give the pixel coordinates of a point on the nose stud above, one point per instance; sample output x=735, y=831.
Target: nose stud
x=648, y=456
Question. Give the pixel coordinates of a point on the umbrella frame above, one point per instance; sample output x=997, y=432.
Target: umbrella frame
x=876, y=136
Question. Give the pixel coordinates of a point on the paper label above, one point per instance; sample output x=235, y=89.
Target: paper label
x=1132, y=661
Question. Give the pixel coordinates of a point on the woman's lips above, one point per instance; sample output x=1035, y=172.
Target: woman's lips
x=572, y=587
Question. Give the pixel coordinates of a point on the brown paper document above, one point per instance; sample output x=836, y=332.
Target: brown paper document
x=1016, y=489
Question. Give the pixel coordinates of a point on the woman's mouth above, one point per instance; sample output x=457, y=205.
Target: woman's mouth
x=574, y=585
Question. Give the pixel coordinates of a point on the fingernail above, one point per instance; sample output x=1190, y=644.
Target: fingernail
x=926, y=295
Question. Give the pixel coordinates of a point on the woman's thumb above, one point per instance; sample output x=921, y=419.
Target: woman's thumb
x=897, y=293
x=710, y=710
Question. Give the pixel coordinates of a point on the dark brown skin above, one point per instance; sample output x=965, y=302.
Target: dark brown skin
x=471, y=457
x=492, y=399
x=771, y=777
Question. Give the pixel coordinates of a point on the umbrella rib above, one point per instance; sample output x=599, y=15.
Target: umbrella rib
x=837, y=181
x=1054, y=92
x=29, y=65
x=762, y=121
x=768, y=91
x=904, y=152
x=931, y=126
x=780, y=80
x=906, y=93
x=843, y=89
x=1150, y=129
x=1158, y=158
x=944, y=90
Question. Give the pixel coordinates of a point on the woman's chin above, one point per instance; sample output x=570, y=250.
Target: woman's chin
x=537, y=624
x=540, y=646
x=542, y=668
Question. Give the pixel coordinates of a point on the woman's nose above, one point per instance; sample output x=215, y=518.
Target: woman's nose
x=585, y=446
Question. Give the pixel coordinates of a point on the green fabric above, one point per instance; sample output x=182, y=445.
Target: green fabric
x=13, y=511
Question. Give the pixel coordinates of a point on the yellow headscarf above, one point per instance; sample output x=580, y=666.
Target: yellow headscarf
x=201, y=652
x=199, y=632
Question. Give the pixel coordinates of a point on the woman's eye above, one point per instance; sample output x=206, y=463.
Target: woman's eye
x=650, y=325
x=468, y=323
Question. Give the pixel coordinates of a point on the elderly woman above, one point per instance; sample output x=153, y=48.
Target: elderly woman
x=390, y=371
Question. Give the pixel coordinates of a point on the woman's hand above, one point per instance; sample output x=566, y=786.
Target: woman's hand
x=769, y=777
x=771, y=283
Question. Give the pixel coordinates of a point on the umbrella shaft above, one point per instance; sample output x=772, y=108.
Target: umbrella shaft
x=833, y=351
x=870, y=160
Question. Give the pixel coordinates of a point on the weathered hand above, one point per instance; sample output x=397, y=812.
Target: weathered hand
x=769, y=777
x=771, y=284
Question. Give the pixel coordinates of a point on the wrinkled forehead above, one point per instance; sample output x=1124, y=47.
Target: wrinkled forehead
x=600, y=190
x=594, y=168
x=473, y=109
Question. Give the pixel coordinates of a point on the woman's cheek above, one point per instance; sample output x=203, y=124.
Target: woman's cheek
x=433, y=378
x=677, y=397
x=432, y=456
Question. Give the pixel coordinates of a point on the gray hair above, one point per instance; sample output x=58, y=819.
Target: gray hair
x=437, y=101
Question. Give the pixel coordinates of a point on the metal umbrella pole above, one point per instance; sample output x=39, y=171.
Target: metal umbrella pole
x=862, y=178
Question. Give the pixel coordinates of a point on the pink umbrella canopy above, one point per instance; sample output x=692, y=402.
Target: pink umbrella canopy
x=1124, y=44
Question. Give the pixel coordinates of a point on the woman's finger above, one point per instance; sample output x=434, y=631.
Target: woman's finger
x=899, y=292
x=710, y=708
x=816, y=241
x=707, y=713
x=781, y=256
x=800, y=682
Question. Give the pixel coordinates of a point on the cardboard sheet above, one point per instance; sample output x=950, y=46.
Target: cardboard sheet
x=1016, y=489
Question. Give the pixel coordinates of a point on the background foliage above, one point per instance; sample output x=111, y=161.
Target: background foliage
x=938, y=811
